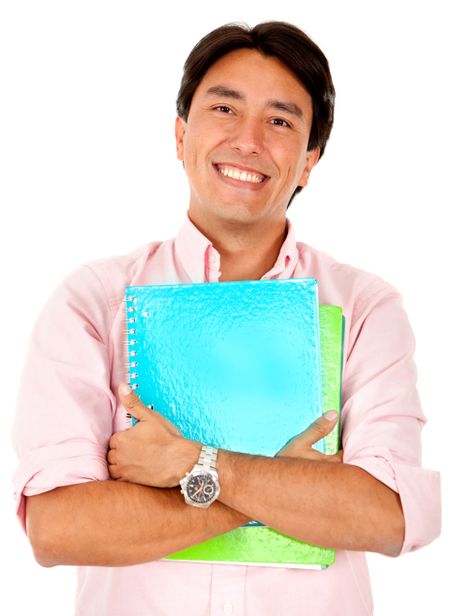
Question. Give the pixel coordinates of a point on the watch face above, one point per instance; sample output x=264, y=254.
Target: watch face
x=201, y=488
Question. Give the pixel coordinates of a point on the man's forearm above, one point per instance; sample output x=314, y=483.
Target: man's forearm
x=338, y=506
x=113, y=523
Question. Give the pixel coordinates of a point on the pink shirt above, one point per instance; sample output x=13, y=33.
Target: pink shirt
x=67, y=411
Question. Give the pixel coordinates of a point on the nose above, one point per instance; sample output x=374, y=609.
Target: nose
x=247, y=137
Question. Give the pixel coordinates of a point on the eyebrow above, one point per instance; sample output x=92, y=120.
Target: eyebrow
x=273, y=103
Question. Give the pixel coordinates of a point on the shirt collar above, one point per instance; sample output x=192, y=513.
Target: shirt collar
x=201, y=260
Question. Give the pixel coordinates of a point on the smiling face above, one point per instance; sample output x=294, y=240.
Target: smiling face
x=244, y=145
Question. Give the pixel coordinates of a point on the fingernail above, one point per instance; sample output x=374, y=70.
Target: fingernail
x=330, y=415
x=125, y=389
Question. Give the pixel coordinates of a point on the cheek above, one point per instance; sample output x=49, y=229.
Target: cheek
x=289, y=155
x=193, y=148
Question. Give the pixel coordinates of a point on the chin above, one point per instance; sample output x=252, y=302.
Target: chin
x=242, y=215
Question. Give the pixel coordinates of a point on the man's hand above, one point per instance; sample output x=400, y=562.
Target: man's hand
x=300, y=446
x=153, y=452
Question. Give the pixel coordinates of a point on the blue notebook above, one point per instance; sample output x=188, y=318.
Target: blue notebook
x=235, y=365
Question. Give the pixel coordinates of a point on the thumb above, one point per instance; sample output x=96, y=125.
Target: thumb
x=132, y=403
x=319, y=428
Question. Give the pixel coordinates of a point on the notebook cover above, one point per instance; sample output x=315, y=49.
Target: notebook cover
x=216, y=359
x=331, y=323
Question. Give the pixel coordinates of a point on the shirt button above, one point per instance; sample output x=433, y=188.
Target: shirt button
x=228, y=608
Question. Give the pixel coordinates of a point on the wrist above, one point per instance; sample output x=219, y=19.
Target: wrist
x=188, y=456
x=225, y=469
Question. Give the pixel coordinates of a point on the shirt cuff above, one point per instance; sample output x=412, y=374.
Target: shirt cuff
x=55, y=466
x=419, y=490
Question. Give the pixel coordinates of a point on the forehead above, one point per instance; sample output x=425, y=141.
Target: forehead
x=254, y=71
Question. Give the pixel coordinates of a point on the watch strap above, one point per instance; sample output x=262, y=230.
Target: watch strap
x=208, y=457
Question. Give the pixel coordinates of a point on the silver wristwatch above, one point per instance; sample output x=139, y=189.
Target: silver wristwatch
x=200, y=486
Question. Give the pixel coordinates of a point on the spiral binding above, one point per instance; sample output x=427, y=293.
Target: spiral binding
x=132, y=362
x=130, y=342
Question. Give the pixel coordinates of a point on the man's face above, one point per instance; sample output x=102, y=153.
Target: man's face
x=250, y=116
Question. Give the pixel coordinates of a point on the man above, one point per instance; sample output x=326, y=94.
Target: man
x=255, y=110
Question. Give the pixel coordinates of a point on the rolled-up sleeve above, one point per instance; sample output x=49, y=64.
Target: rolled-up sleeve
x=64, y=410
x=382, y=418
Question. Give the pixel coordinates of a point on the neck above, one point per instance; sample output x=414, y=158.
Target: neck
x=247, y=252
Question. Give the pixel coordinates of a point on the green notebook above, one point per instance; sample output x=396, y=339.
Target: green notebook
x=260, y=545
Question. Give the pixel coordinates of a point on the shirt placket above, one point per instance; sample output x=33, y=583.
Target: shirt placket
x=212, y=264
x=228, y=590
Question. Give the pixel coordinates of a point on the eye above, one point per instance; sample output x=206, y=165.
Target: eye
x=223, y=108
x=277, y=120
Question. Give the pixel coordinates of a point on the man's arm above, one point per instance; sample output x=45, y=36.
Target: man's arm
x=113, y=523
x=338, y=506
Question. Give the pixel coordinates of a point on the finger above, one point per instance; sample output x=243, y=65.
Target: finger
x=112, y=456
x=320, y=428
x=132, y=403
x=299, y=451
x=112, y=468
x=150, y=406
x=113, y=441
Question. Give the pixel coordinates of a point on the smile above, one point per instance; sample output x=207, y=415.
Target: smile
x=248, y=176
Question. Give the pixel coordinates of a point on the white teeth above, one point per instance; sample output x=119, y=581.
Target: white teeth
x=243, y=176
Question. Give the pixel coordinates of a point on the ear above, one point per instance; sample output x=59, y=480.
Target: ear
x=180, y=129
x=312, y=156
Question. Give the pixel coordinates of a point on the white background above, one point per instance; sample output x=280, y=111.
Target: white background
x=87, y=101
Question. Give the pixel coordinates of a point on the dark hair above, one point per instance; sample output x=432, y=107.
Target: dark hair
x=272, y=38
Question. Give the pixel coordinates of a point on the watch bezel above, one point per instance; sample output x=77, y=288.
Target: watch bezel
x=197, y=473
